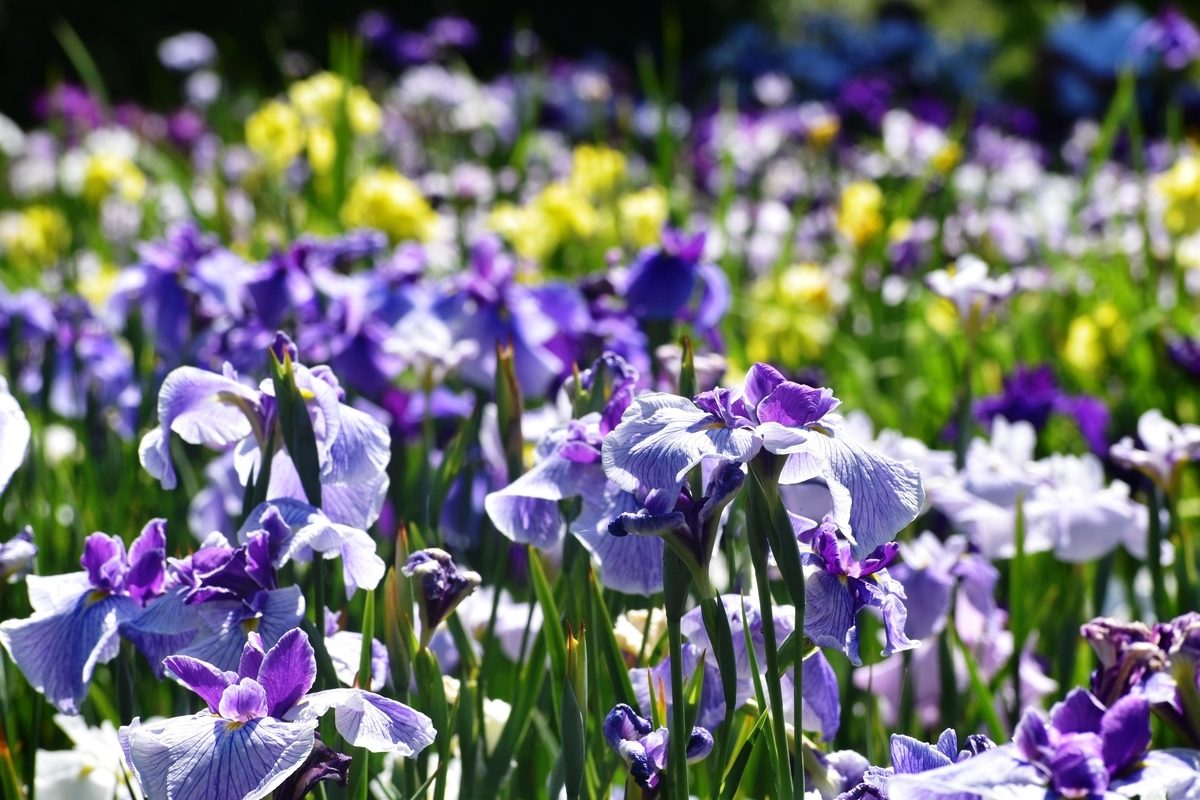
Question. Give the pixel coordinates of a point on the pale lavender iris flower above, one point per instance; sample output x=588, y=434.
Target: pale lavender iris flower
x=259, y=725
x=662, y=437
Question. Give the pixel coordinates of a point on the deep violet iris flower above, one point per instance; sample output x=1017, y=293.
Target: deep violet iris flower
x=259, y=725
x=661, y=437
x=662, y=281
x=77, y=616
x=644, y=749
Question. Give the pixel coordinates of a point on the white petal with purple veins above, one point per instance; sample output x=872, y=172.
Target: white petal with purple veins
x=368, y=720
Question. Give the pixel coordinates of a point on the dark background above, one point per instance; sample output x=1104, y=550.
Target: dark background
x=251, y=35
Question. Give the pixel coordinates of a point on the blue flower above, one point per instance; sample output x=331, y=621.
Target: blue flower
x=259, y=725
x=662, y=281
x=438, y=586
x=912, y=757
x=77, y=616
x=662, y=437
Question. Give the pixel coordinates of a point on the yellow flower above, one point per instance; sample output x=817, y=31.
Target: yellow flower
x=276, y=133
x=792, y=315
x=387, y=200
x=567, y=210
x=525, y=228
x=108, y=172
x=34, y=237
x=859, y=216
x=318, y=98
x=1180, y=186
x=823, y=131
x=596, y=170
x=643, y=215
x=899, y=229
x=363, y=113
x=96, y=286
x=1084, y=350
x=322, y=148
x=947, y=157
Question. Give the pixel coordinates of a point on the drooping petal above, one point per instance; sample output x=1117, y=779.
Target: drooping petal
x=829, y=615
x=526, y=510
x=203, y=407
x=629, y=564
x=204, y=757
x=58, y=652
x=662, y=436
x=885, y=495
x=822, y=708
x=361, y=450
x=345, y=649
x=368, y=720
x=288, y=671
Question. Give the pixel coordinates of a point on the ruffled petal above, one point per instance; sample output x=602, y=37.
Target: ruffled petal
x=526, y=510
x=662, y=436
x=204, y=757
x=973, y=777
x=885, y=494
x=361, y=451
x=629, y=564
x=288, y=671
x=822, y=707
x=345, y=649
x=368, y=720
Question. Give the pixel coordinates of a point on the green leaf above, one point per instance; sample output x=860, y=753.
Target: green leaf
x=452, y=463
x=509, y=410
x=614, y=660
x=733, y=777
x=574, y=750
x=556, y=643
x=82, y=60
x=298, y=435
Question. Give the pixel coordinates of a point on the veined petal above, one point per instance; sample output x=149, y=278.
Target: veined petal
x=202, y=678
x=55, y=594
x=58, y=652
x=662, y=436
x=368, y=720
x=288, y=672
x=526, y=510
x=228, y=627
x=885, y=494
x=163, y=628
x=361, y=450
x=155, y=456
x=911, y=756
x=829, y=614
x=629, y=564
x=974, y=777
x=204, y=757
x=202, y=407
x=345, y=648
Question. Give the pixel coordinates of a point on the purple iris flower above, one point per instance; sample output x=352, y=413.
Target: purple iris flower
x=439, y=586
x=651, y=683
x=1185, y=351
x=1031, y=394
x=452, y=31
x=215, y=598
x=644, y=749
x=1082, y=750
x=839, y=585
x=662, y=437
x=931, y=573
x=219, y=411
x=77, y=616
x=16, y=555
x=821, y=706
x=1133, y=660
x=912, y=757
x=259, y=725
x=1171, y=35
x=569, y=465
x=688, y=524
x=490, y=307
x=662, y=281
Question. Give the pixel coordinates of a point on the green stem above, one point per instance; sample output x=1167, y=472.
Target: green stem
x=758, y=555
x=676, y=580
x=1162, y=607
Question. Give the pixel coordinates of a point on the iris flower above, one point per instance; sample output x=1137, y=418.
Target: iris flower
x=259, y=725
x=569, y=465
x=662, y=437
x=1082, y=750
x=219, y=411
x=14, y=435
x=77, y=616
x=644, y=749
